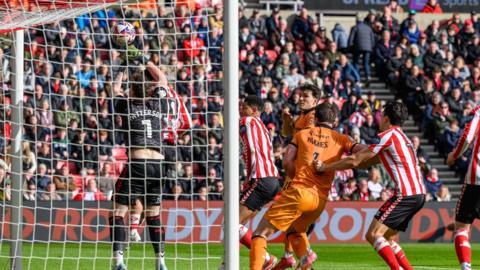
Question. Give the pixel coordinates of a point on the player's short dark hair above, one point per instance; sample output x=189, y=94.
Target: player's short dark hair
x=395, y=111
x=140, y=82
x=312, y=88
x=254, y=101
x=326, y=112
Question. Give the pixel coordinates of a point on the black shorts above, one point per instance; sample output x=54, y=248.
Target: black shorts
x=258, y=192
x=140, y=179
x=397, y=212
x=468, y=206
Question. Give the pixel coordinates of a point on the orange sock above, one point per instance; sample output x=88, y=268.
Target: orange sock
x=299, y=243
x=288, y=245
x=257, y=252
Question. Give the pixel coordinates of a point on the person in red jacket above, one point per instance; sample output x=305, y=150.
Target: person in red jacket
x=432, y=6
x=90, y=193
x=192, y=46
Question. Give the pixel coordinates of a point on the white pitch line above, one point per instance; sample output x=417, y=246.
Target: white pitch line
x=434, y=267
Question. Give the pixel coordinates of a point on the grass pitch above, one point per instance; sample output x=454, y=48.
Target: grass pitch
x=208, y=256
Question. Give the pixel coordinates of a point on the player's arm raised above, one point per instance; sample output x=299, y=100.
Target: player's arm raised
x=349, y=162
x=289, y=160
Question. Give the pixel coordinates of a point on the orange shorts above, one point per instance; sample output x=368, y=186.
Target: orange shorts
x=295, y=210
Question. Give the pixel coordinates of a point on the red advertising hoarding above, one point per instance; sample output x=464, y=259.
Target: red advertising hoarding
x=196, y=222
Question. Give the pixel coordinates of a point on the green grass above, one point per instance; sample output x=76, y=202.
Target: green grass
x=183, y=257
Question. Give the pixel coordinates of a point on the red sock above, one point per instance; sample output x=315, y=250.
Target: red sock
x=401, y=258
x=462, y=246
x=385, y=251
x=245, y=236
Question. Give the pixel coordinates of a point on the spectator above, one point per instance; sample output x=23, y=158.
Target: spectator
x=301, y=24
x=42, y=179
x=384, y=196
x=375, y=186
x=394, y=7
x=90, y=192
x=340, y=37
x=432, y=183
x=280, y=38
x=106, y=182
x=64, y=183
x=369, y=130
x=432, y=59
x=362, y=40
x=202, y=194
x=217, y=193
x=443, y=194
x=432, y=6
x=384, y=50
x=50, y=193
x=362, y=193
x=450, y=137
x=272, y=23
x=177, y=194
x=412, y=32
x=348, y=71
x=5, y=186
x=29, y=162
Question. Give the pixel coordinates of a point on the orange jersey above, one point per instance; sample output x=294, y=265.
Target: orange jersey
x=324, y=144
x=304, y=121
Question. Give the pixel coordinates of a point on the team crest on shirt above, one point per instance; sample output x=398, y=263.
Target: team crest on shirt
x=162, y=93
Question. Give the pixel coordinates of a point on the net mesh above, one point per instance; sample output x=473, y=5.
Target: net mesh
x=74, y=145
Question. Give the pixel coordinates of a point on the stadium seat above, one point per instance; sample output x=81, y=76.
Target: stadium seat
x=272, y=55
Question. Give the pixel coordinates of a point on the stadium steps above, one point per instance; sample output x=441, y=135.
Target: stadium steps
x=446, y=175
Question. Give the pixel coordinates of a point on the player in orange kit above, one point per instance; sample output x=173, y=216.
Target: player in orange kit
x=309, y=95
x=303, y=200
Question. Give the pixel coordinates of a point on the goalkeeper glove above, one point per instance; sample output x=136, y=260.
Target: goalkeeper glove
x=134, y=56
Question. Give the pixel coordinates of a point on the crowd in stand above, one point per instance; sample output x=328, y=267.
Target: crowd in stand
x=71, y=150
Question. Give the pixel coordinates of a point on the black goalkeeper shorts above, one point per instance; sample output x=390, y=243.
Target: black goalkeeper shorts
x=140, y=179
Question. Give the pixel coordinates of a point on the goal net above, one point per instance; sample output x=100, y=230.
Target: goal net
x=76, y=139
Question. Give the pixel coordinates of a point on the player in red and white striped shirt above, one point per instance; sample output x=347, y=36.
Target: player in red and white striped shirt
x=397, y=154
x=468, y=206
x=262, y=175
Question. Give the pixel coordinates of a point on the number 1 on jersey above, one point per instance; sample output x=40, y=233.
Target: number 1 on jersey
x=148, y=125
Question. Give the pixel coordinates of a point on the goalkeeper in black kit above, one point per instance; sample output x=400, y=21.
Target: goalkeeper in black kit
x=151, y=115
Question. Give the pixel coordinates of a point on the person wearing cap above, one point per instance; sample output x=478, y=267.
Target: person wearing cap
x=467, y=33
x=321, y=38
x=432, y=6
x=371, y=18
x=362, y=40
x=412, y=33
x=405, y=23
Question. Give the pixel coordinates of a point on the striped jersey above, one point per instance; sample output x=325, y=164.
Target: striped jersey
x=399, y=157
x=257, y=148
x=470, y=135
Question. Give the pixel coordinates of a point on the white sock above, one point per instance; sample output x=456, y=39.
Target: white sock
x=118, y=255
x=134, y=219
x=288, y=254
x=161, y=257
x=466, y=266
x=267, y=257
